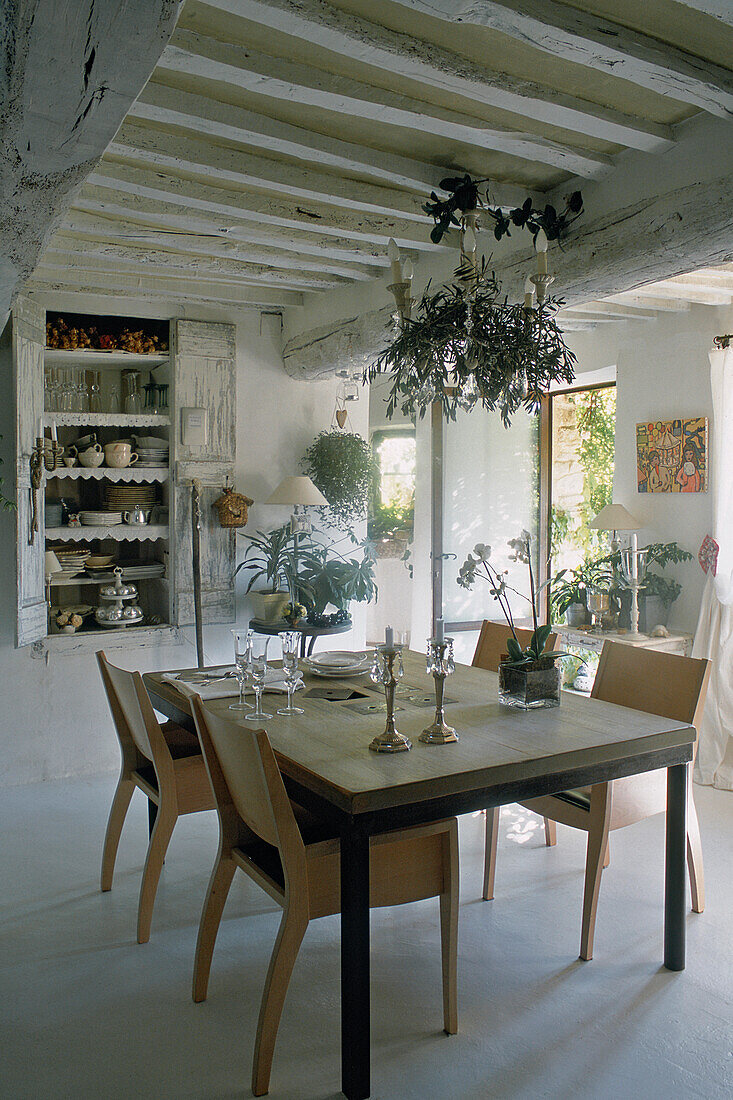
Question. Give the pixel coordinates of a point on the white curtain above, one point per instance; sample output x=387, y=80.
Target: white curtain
x=714, y=635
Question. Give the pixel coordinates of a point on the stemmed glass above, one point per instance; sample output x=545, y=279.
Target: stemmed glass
x=242, y=648
x=258, y=674
x=291, y=646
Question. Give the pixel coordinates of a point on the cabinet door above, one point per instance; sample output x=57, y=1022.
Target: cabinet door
x=28, y=336
x=204, y=376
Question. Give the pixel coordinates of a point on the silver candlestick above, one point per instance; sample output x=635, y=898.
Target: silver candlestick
x=383, y=672
x=440, y=664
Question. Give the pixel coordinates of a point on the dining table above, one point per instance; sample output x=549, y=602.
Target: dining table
x=503, y=755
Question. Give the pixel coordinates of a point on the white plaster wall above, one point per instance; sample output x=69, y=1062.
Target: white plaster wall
x=663, y=372
x=54, y=720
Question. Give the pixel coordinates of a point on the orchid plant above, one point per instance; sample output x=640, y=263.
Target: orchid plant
x=477, y=566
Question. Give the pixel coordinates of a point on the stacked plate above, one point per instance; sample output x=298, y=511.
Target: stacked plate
x=338, y=662
x=120, y=497
x=151, y=451
x=71, y=561
x=100, y=519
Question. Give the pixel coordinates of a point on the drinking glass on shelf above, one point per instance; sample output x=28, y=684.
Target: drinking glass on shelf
x=258, y=674
x=242, y=647
x=291, y=647
x=114, y=399
x=95, y=396
x=133, y=398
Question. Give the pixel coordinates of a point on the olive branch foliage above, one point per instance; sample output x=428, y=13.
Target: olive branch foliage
x=466, y=334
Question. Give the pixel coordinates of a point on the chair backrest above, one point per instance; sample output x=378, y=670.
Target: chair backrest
x=653, y=681
x=132, y=711
x=244, y=774
x=492, y=643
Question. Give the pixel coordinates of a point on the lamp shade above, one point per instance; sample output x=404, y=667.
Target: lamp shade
x=52, y=564
x=297, y=490
x=614, y=517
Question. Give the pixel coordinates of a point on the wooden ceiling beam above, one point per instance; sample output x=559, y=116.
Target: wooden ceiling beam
x=248, y=70
x=366, y=42
x=206, y=289
x=671, y=288
x=586, y=39
x=131, y=289
x=612, y=310
x=224, y=165
x=149, y=215
x=722, y=10
x=666, y=305
x=264, y=209
x=224, y=122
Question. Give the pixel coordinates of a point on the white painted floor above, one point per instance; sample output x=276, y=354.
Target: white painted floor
x=85, y=1012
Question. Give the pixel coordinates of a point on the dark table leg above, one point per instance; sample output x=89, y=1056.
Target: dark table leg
x=355, y=1037
x=311, y=643
x=675, y=887
x=152, y=814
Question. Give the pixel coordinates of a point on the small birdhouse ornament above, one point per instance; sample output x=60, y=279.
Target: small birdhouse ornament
x=231, y=508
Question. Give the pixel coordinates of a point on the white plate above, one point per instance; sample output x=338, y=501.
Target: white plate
x=336, y=674
x=339, y=659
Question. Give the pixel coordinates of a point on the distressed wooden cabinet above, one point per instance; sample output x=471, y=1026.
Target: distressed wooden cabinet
x=200, y=372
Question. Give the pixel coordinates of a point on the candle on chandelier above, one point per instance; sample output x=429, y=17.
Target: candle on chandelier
x=407, y=271
x=40, y=433
x=54, y=437
x=389, y=638
x=469, y=240
x=528, y=293
x=541, y=246
x=440, y=630
x=394, y=260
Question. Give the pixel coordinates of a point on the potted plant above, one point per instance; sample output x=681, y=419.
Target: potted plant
x=341, y=465
x=569, y=590
x=328, y=578
x=390, y=528
x=659, y=591
x=269, y=558
x=530, y=677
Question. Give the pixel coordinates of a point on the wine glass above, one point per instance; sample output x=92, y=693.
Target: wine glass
x=95, y=398
x=242, y=646
x=258, y=673
x=291, y=646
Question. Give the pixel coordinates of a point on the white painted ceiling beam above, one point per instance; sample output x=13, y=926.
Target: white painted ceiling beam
x=722, y=10
x=224, y=165
x=150, y=215
x=587, y=39
x=610, y=309
x=671, y=288
x=83, y=254
x=366, y=42
x=80, y=227
x=68, y=73
x=264, y=210
x=205, y=116
x=659, y=305
x=135, y=289
x=707, y=279
x=248, y=70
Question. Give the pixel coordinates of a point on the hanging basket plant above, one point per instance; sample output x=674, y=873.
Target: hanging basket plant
x=467, y=345
x=342, y=466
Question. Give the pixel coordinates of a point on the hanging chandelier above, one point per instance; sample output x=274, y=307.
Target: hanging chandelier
x=465, y=344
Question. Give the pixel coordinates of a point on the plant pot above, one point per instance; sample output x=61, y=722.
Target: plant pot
x=268, y=607
x=653, y=611
x=530, y=687
x=576, y=614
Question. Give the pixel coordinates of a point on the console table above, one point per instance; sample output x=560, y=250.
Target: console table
x=587, y=639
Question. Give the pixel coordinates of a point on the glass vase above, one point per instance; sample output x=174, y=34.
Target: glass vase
x=529, y=687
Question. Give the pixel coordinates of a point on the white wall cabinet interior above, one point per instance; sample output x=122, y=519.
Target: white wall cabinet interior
x=75, y=501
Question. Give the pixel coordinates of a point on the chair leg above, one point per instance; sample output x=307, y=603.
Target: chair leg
x=550, y=832
x=694, y=858
x=600, y=817
x=449, y=931
x=289, y=938
x=607, y=855
x=117, y=815
x=159, y=841
x=492, y=837
x=216, y=896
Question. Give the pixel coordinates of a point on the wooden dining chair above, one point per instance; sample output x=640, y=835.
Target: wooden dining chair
x=657, y=683
x=165, y=763
x=295, y=858
x=490, y=649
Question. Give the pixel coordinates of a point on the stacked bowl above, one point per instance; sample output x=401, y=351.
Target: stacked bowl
x=151, y=450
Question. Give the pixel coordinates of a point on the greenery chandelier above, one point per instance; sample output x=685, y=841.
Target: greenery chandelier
x=467, y=344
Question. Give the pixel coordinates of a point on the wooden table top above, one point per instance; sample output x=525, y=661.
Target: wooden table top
x=327, y=747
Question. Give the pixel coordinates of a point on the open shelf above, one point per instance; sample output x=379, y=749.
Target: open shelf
x=105, y=473
x=94, y=359
x=97, y=579
x=106, y=420
x=120, y=532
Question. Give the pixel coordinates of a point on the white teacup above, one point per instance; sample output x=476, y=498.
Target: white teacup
x=93, y=456
x=119, y=455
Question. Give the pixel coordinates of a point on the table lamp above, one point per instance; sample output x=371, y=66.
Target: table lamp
x=51, y=565
x=614, y=517
x=301, y=493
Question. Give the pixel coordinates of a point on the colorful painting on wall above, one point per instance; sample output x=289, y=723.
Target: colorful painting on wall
x=672, y=456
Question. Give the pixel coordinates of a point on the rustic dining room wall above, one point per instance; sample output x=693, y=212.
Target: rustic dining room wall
x=53, y=716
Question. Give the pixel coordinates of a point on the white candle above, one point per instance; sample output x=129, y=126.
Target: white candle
x=54, y=437
x=469, y=240
x=634, y=552
x=541, y=246
x=40, y=428
x=389, y=638
x=528, y=293
x=440, y=630
x=394, y=259
x=407, y=271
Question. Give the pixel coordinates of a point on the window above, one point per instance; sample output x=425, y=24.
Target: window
x=393, y=505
